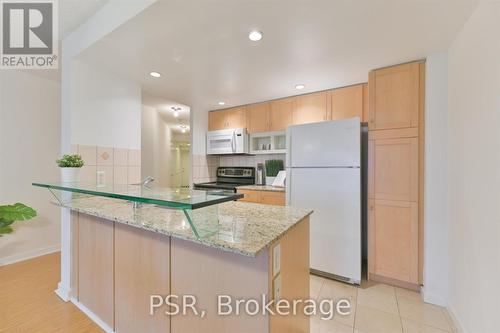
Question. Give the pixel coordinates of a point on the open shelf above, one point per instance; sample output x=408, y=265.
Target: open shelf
x=268, y=143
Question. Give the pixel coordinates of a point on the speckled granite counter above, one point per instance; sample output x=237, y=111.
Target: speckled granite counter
x=244, y=228
x=269, y=188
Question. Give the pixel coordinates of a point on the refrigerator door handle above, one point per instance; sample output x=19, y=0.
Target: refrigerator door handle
x=288, y=185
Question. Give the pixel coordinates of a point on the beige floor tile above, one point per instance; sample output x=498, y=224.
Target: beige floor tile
x=315, y=283
x=450, y=321
x=408, y=294
x=315, y=323
x=378, y=296
x=331, y=326
x=370, y=320
x=410, y=326
x=423, y=313
x=340, y=291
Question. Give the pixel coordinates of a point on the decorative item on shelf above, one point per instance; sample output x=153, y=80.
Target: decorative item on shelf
x=273, y=167
x=12, y=213
x=70, y=167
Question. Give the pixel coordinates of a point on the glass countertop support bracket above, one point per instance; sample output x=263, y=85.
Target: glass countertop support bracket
x=188, y=217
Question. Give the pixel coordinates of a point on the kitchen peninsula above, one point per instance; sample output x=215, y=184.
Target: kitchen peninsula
x=132, y=244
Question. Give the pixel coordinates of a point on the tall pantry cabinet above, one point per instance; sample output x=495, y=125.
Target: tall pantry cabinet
x=395, y=176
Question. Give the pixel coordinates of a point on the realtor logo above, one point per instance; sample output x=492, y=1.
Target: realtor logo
x=29, y=34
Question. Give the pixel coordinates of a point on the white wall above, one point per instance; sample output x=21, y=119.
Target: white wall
x=199, y=127
x=474, y=171
x=105, y=109
x=156, y=150
x=436, y=219
x=29, y=145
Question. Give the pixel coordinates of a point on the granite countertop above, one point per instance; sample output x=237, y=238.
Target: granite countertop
x=262, y=188
x=244, y=228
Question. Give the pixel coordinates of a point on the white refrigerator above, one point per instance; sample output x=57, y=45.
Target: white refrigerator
x=323, y=163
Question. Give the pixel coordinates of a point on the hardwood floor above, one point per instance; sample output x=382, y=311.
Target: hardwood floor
x=28, y=302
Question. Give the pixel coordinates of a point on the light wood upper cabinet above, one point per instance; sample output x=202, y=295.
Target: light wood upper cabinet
x=216, y=120
x=228, y=118
x=393, y=240
x=394, y=94
x=258, y=117
x=280, y=114
x=310, y=108
x=393, y=166
x=347, y=102
x=237, y=117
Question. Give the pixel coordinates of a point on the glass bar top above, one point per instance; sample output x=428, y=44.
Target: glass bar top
x=178, y=198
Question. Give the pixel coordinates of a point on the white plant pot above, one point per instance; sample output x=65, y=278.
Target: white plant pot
x=270, y=180
x=70, y=175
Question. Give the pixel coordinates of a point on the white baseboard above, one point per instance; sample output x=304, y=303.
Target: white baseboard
x=63, y=292
x=431, y=298
x=92, y=316
x=29, y=254
x=459, y=326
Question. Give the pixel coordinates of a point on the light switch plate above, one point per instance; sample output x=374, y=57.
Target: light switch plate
x=276, y=260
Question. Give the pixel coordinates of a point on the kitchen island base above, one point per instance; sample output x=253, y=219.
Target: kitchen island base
x=118, y=269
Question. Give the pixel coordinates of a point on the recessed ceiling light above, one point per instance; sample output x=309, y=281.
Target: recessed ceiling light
x=300, y=86
x=176, y=114
x=221, y=103
x=155, y=74
x=255, y=36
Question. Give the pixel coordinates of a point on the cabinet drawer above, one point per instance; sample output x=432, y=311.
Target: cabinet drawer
x=273, y=198
x=250, y=196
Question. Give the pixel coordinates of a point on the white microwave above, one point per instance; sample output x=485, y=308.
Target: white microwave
x=228, y=141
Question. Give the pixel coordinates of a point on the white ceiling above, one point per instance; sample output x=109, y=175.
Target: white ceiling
x=73, y=13
x=164, y=107
x=202, y=50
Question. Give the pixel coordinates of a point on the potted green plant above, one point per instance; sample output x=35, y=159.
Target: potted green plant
x=12, y=213
x=272, y=169
x=70, y=167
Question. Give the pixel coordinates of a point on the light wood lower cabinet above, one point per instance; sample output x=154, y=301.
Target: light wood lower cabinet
x=95, y=266
x=142, y=268
x=393, y=240
x=118, y=268
x=263, y=197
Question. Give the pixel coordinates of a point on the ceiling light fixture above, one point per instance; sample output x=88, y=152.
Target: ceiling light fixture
x=255, y=36
x=155, y=74
x=183, y=128
x=175, y=110
x=221, y=103
x=300, y=86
